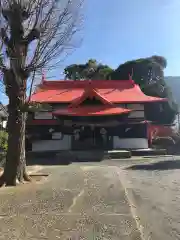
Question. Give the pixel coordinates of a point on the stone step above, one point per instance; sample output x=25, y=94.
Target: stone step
x=118, y=154
x=148, y=152
x=93, y=155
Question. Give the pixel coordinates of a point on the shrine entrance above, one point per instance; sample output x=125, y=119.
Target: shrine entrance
x=91, y=138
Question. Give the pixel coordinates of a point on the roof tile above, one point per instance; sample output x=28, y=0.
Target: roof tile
x=113, y=91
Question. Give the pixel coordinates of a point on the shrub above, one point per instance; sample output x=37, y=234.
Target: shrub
x=3, y=141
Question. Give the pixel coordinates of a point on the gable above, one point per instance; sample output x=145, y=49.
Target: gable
x=91, y=102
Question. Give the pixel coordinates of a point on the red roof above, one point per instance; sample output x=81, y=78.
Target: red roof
x=90, y=93
x=125, y=91
x=91, y=111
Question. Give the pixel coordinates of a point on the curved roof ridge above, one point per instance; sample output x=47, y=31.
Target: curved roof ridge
x=109, y=92
x=85, y=83
x=90, y=92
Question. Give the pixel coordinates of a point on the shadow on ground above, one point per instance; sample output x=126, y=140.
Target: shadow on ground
x=46, y=161
x=161, y=166
x=52, y=161
x=63, y=157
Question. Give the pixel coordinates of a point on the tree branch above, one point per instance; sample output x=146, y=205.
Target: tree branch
x=33, y=35
x=40, y=33
x=57, y=29
x=4, y=37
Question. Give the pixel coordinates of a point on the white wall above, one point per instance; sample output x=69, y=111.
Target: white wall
x=138, y=110
x=52, y=145
x=136, y=106
x=130, y=143
x=136, y=114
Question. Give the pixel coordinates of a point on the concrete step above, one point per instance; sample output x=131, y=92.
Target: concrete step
x=98, y=155
x=118, y=154
x=148, y=152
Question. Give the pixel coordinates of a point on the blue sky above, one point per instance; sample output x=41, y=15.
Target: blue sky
x=119, y=30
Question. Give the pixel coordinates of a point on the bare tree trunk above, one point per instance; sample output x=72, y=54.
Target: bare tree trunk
x=22, y=173
x=15, y=167
x=19, y=28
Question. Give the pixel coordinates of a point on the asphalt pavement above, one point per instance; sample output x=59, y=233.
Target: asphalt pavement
x=135, y=199
x=75, y=202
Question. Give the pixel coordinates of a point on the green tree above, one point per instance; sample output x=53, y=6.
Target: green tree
x=3, y=140
x=34, y=34
x=148, y=73
x=3, y=146
x=90, y=70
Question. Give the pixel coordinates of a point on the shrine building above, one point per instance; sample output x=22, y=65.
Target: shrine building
x=85, y=115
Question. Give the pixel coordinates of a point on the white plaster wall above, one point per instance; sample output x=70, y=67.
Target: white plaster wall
x=136, y=114
x=138, y=110
x=136, y=106
x=52, y=145
x=130, y=143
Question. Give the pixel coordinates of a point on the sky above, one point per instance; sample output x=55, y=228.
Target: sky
x=119, y=30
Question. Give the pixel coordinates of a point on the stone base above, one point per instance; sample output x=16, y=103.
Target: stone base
x=118, y=154
x=66, y=157
x=148, y=152
x=81, y=156
x=94, y=156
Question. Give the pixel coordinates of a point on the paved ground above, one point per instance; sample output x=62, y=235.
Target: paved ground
x=97, y=201
x=155, y=191
x=75, y=202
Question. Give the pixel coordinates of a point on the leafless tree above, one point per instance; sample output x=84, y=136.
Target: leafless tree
x=34, y=34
